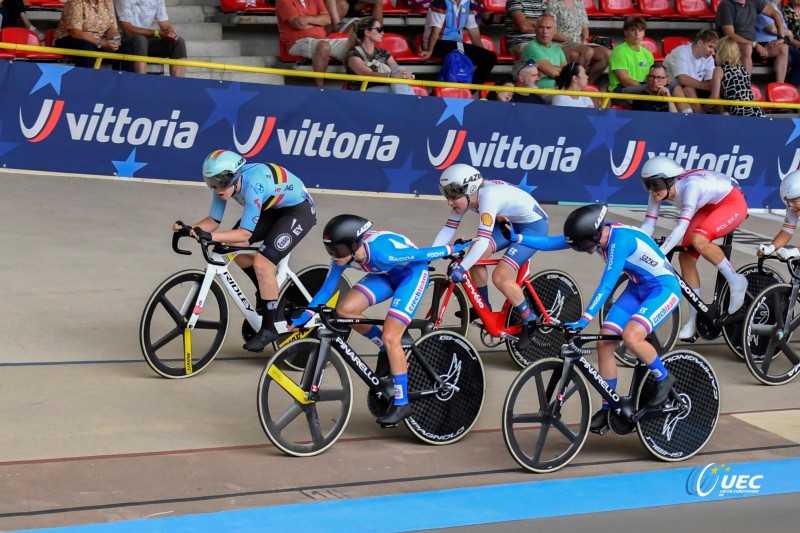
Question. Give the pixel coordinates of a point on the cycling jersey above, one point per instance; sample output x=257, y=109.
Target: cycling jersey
x=498, y=198
x=790, y=222
x=264, y=186
x=696, y=189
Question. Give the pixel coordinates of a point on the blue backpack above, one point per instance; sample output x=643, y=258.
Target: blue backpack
x=457, y=67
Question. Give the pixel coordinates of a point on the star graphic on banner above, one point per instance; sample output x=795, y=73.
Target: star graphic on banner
x=4, y=146
x=227, y=101
x=757, y=193
x=127, y=168
x=400, y=179
x=601, y=192
x=51, y=75
x=796, y=133
x=523, y=184
x=455, y=108
x=605, y=129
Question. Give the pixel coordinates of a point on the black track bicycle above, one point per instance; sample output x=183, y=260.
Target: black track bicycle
x=303, y=412
x=548, y=408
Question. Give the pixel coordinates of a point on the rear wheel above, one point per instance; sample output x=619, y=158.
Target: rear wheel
x=771, y=350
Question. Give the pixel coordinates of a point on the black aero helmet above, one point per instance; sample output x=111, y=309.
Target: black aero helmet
x=343, y=234
x=584, y=226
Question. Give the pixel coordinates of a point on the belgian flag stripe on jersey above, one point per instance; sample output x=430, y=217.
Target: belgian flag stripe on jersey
x=279, y=177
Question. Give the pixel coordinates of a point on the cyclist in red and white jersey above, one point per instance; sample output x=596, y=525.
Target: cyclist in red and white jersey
x=790, y=194
x=711, y=205
x=465, y=189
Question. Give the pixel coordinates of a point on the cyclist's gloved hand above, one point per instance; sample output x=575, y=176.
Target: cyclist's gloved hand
x=458, y=274
x=202, y=234
x=580, y=324
x=302, y=319
x=508, y=232
x=788, y=253
x=765, y=249
x=460, y=246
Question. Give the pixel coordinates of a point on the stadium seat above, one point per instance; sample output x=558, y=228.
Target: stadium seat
x=284, y=56
x=694, y=9
x=240, y=6
x=452, y=92
x=785, y=93
x=504, y=56
x=650, y=44
x=495, y=6
x=758, y=96
x=398, y=8
x=668, y=44
x=619, y=8
x=25, y=36
x=592, y=10
x=714, y=4
x=420, y=91
x=657, y=8
x=53, y=5
x=486, y=41
x=485, y=92
x=6, y=54
x=398, y=46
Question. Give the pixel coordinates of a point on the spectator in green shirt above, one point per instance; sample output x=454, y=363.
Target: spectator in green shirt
x=630, y=62
x=548, y=56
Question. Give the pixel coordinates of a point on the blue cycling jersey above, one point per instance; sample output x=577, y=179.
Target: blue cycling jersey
x=264, y=186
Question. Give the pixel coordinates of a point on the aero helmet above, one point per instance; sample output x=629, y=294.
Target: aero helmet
x=659, y=173
x=584, y=226
x=459, y=180
x=343, y=234
x=222, y=169
x=790, y=187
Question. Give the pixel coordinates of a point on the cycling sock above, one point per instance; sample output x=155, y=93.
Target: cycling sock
x=374, y=335
x=400, y=389
x=525, y=314
x=251, y=273
x=658, y=370
x=726, y=269
x=484, y=292
x=613, y=384
x=268, y=309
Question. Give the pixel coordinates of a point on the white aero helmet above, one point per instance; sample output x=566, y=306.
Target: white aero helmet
x=659, y=173
x=459, y=180
x=790, y=187
x=222, y=169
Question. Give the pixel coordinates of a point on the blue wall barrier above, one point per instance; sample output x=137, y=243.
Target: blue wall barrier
x=64, y=119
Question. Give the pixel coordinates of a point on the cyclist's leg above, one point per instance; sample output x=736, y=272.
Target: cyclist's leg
x=480, y=277
x=688, y=262
x=245, y=262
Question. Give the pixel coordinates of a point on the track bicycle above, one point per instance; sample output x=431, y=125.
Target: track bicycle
x=303, y=412
x=551, y=294
x=547, y=411
x=771, y=354
x=712, y=318
x=185, y=320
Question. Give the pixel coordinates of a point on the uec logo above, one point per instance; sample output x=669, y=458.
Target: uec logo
x=705, y=479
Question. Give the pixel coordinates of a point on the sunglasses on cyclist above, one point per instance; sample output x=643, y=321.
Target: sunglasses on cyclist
x=656, y=184
x=339, y=251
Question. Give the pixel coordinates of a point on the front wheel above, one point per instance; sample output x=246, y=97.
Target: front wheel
x=544, y=426
x=772, y=356
x=444, y=413
x=172, y=350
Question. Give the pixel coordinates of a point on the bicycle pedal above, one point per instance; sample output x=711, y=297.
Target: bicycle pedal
x=601, y=431
x=692, y=339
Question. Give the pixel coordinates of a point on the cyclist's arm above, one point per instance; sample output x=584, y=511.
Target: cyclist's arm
x=617, y=254
x=420, y=255
x=207, y=224
x=325, y=292
x=548, y=243
x=781, y=239
x=651, y=216
x=688, y=209
x=446, y=233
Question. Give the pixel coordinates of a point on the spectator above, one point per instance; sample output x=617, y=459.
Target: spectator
x=549, y=57
x=630, y=62
x=502, y=96
x=572, y=25
x=731, y=80
x=520, y=28
x=444, y=29
x=136, y=20
x=301, y=24
x=89, y=25
x=767, y=36
x=572, y=78
x=12, y=12
x=345, y=12
x=365, y=59
x=692, y=65
x=526, y=75
x=658, y=85
x=791, y=15
x=737, y=20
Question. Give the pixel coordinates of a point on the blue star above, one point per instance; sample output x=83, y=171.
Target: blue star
x=127, y=168
x=605, y=129
x=524, y=185
x=228, y=101
x=758, y=193
x=401, y=179
x=51, y=75
x=5, y=147
x=796, y=133
x=455, y=108
x=601, y=192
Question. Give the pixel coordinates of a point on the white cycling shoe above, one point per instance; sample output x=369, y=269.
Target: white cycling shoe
x=688, y=331
x=738, y=292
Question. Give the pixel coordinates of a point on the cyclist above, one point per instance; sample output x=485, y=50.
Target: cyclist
x=278, y=212
x=790, y=194
x=397, y=270
x=465, y=189
x=711, y=205
x=650, y=296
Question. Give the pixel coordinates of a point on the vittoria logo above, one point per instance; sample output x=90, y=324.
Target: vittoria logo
x=732, y=164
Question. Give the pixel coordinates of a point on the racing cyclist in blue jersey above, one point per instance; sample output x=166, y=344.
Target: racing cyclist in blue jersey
x=397, y=270
x=278, y=212
x=650, y=296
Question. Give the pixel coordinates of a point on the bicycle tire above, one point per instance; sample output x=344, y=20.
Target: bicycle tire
x=666, y=333
x=311, y=278
x=297, y=429
x=561, y=297
x=162, y=334
x=733, y=332
x=528, y=417
x=447, y=416
x=456, y=316
x=677, y=437
x=769, y=353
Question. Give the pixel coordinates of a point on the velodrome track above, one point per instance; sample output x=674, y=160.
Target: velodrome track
x=90, y=435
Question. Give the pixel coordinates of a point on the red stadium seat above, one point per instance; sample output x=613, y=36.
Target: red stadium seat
x=420, y=91
x=452, y=92
x=486, y=41
x=714, y=4
x=657, y=8
x=239, y=6
x=398, y=46
x=398, y=9
x=620, y=8
x=24, y=36
x=504, y=56
x=495, y=6
x=284, y=56
x=485, y=92
x=758, y=96
x=785, y=93
x=650, y=44
x=592, y=10
x=46, y=4
x=672, y=42
x=694, y=9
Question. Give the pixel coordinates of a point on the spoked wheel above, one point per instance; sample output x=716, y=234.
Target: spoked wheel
x=561, y=297
x=733, y=331
x=666, y=334
x=544, y=428
x=439, y=293
x=168, y=347
x=291, y=295
x=293, y=424
x=679, y=435
x=446, y=416
x=771, y=353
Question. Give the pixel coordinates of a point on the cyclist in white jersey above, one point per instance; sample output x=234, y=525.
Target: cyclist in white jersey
x=711, y=205
x=465, y=189
x=790, y=194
